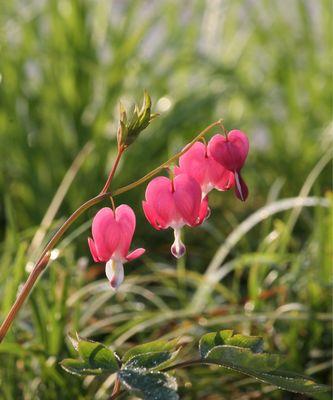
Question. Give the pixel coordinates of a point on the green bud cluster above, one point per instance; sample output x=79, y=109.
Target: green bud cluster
x=130, y=127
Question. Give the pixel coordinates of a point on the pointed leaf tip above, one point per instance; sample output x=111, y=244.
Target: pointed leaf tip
x=74, y=342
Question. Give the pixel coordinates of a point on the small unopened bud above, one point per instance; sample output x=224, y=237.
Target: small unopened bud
x=129, y=129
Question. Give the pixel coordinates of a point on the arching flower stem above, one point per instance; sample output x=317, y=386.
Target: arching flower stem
x=42, y=261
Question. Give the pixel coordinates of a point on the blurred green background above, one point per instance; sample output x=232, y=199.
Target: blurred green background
x=263, y=66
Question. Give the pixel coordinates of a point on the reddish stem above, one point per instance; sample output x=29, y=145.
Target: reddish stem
x=121, y=149
x=38, y=269
x=116, y=389
x=40, y=265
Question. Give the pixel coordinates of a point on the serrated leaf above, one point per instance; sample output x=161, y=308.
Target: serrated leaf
x=150, y=347
x=210, y=340
x=78, y=367
x=149, y=385
x=98, y=356
x=152, y=360
x=243, y=358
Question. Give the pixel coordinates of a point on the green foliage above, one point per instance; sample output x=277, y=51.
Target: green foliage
x=227, y=337
x=240, y=358
x=142, y=368
x=64, y=67
x=290, y=381
x=137, y=366
x=156, y=346
x=150, y=385
x=97, y=355
x=152, y=360
x=244, y=356
x=78, y=367
x=95, y=359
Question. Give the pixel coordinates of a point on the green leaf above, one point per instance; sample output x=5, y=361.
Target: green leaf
x=149, y=385
x=152, y=360
x=98, y=356
x=150, y=347
x=290, y=381
x=210, y=340
x=245, y=354
x=243, y=358
x=78, y=367
x=262, y=367
x=74, y=342
x=255, y=343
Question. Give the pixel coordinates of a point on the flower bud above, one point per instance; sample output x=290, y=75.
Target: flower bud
x=129, y=129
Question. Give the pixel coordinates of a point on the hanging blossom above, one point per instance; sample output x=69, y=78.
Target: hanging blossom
x=174, y=203
x=231, y=151
x=112, y=233
x=200, y=165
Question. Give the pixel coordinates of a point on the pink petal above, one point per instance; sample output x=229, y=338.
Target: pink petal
x=159, y=198
x=204, y=211
x=187, y=196
x=226, y=180
x=231, y=152
x=240, y=140
x=150, y=215
x=195, y=163
x=241, y=189
x=105, y=233
x=125, y=218
x=93, y=250
x=135, y=254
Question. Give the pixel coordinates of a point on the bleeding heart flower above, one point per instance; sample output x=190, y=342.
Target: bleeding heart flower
x=175, y=203
x=200, y=165
x=112, y=233
x=231, y=153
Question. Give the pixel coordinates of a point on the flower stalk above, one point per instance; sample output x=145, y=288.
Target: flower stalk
x=43, y=260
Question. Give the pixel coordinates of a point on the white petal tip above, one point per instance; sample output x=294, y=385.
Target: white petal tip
x=178, y=248
x=115, y=273
x=178, y=252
